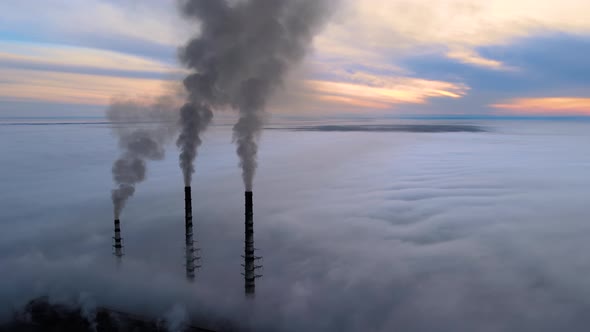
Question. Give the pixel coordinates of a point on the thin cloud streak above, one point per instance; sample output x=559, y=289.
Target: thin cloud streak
x=84, y=21
x=471, y=57
x=22, y=54
x=547, y=106
x=402, y=90
x=19, y=84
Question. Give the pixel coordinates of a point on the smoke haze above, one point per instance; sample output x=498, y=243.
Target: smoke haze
x=241, y=56
x=142, y=129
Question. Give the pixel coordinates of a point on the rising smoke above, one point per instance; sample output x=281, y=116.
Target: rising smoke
x=194, y=118
x=142, y=129
x=242, y=54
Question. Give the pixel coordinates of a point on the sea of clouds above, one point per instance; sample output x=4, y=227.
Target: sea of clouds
x=359, y=231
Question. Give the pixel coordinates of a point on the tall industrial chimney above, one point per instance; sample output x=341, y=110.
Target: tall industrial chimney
x=118, y=241
x=190, y=251
x=250, y=259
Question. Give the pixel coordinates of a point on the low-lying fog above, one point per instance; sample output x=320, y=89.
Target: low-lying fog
x=360, y=230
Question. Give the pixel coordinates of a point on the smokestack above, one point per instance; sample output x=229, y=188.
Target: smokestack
x=118, y=241
x=142, y=131
x=240, y=57
x=190, y=250
x=250, y=259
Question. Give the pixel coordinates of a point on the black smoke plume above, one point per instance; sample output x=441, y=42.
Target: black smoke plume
x=142, y=129
x=195, y=116
x=241, y=56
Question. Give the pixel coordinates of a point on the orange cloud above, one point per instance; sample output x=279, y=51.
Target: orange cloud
x=17, y=84
x=353, y=102
x=370, y=91
x=386, y=29
x=473, y=58
x=547, y=106
x=354, y=91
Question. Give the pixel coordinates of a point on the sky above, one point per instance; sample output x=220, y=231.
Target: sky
x=374, y=57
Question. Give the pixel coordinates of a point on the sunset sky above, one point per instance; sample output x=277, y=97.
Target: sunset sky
x=394, y=57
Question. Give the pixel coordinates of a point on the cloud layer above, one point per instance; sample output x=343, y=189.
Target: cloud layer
x=359, y=231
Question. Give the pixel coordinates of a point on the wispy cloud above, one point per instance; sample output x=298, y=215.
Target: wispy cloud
x=340, y=90
x=394, y=28
x=547, y=105
x=471, y=57
x=386, y=94
x=41, y=56
x=75, y=21
x=33, y=85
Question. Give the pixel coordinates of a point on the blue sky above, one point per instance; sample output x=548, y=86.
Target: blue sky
x=389, y=57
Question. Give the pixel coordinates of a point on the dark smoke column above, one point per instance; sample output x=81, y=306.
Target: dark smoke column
x=194, y=119
x=241, y=55
x=142, y=130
